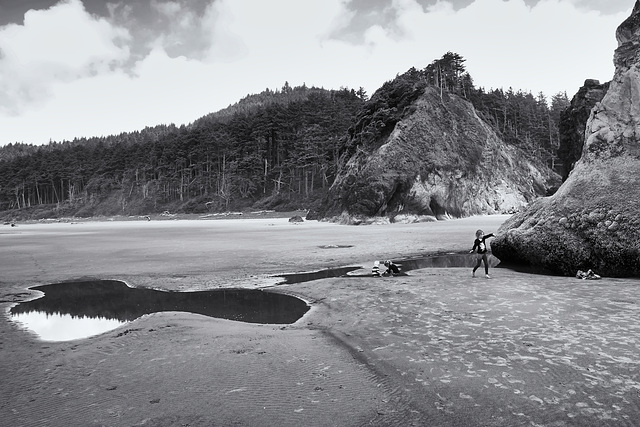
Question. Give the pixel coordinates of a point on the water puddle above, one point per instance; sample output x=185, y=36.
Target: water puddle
x=443, y=261
x=291, y=278
x=75, y=310
x=405, y=264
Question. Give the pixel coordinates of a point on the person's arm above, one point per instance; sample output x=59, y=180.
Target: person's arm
x=487, y=236
x=475, y=245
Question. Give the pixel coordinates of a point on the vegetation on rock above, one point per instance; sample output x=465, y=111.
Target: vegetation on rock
x=419, y=147
x=573, y=121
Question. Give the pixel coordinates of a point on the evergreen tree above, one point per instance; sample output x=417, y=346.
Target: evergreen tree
x=274, y=149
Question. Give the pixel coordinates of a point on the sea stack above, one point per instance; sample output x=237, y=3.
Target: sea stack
x=593, y=220
x=440, y=160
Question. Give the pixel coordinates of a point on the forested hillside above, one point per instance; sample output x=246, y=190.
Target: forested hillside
x=277, y=147
x=275, y=150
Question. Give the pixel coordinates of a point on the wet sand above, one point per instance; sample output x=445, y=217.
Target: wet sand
x=433, y=348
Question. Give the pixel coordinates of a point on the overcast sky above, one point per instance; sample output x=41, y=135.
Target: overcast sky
x=77, y=68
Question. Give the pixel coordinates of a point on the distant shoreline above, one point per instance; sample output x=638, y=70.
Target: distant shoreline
x=165, y=216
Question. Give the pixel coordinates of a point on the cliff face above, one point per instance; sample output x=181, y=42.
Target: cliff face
x=439, y=160
x=573, y=122
x=592, y=221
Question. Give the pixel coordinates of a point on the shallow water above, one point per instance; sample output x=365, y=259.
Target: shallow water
x=451, y=260
x=76, y=310
x=444, y=261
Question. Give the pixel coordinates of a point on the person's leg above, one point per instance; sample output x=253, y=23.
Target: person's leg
x=478, y=262
x=486, y=264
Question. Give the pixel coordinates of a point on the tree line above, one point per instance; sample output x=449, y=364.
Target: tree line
x=278, y=146
x=276, y=149
x=520, y=118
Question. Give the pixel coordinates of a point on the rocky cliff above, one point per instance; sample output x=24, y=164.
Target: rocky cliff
x=593, y=220
x=435, y=159
x=573, y=122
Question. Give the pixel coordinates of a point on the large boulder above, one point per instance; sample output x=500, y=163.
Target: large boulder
x=593, y=220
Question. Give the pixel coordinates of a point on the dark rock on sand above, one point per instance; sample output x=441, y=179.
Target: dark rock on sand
x=592, y=222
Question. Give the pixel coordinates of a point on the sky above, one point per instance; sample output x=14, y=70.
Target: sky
x=83, y=68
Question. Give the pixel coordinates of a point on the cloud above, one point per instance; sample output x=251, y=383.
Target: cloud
x=61, y=44
x=600, y=6
x=148, y=62
x=176, y=25
x=550, y=47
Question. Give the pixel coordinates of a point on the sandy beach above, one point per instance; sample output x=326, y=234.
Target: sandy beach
x=433, y=348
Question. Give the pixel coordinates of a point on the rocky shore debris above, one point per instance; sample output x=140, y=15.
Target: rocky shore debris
x=589, y=275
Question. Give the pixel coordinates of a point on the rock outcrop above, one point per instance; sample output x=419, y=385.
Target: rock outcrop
x=573, y=122
x=437, y=160
x=593, y=220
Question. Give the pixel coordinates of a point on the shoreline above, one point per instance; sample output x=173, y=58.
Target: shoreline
x=165, y=216
x=435, y=347
x=222, y=252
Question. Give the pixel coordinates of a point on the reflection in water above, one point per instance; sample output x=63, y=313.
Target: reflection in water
x=74, y=305
x=64, y=327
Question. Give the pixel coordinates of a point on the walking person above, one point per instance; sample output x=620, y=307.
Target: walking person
x=480, y=247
